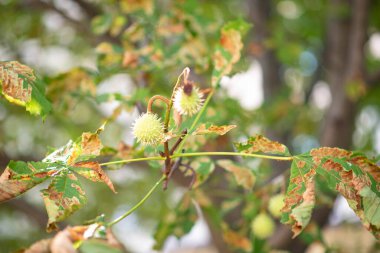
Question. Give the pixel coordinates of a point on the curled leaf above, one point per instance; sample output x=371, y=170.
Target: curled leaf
x=262, y=144
x=92, y=171
x=20, y=176
x=220, y=130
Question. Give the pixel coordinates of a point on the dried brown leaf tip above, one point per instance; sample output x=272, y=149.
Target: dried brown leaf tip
x=19, y=177
x=220, y=130
x=91, y=143
x=93, y=171
x=261, y=144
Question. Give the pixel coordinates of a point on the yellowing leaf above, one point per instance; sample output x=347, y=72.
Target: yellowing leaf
x=220, y=130
x=18, y=86
x=243, y=176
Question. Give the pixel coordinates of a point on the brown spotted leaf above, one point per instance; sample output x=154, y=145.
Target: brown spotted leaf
x=18, y=86
x=357, y=185
x=300, y=196
x=20, y=176
x=260, y=144
x=63, y=197
x=91, y=143
x=88, y=146
x=227, y=53
x=243, y=176
x=220, y=130
x=93, y=172
x=354, y=176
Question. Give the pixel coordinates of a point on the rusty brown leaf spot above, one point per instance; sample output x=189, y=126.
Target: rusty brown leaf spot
x=62, y=198
x=366, y=165
x=349, y=184
x=93, y=172
x=230, y=40
x=11, y=188
x=262, y=144
x=220, y=130
x=243, y=176
x=300, y=196
x=91, y=144
x=320, y=153
x=308, y=202
x=12, y=184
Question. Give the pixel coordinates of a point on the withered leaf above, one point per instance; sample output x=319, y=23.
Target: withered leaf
x=354, y=176
x=243, y=176
x=261, y=144
x=20, y=176
x=220, y=130
x=93, y=172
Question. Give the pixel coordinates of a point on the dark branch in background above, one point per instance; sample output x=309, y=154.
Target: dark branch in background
x=345, y=58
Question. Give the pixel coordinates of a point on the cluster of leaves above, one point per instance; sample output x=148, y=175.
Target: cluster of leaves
x=64, y=194
x=352, y=175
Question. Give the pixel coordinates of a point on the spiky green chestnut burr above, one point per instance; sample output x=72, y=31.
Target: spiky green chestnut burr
x=148, y=129
x=188, y=100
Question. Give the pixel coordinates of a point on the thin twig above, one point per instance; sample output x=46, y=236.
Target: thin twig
x=138, y=204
